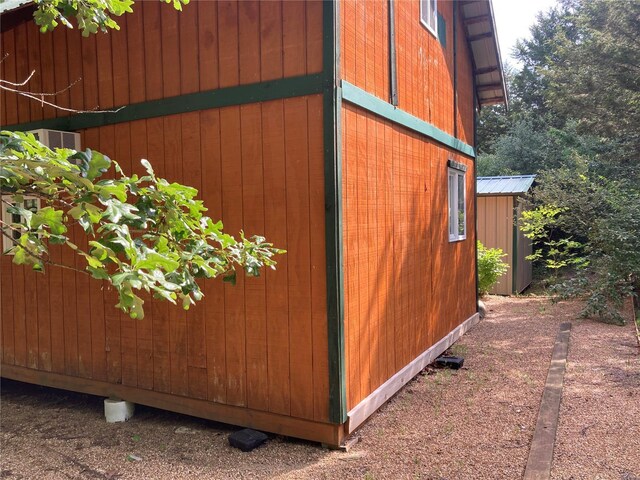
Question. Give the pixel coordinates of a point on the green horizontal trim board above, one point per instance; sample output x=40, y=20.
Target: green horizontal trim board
x=359, y=97
x=192, y=102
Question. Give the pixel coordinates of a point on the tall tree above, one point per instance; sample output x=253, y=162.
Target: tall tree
x=576, y=122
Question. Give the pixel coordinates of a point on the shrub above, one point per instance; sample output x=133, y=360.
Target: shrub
x=490, y=267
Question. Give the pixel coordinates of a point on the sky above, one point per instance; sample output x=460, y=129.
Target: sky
x=513, y=19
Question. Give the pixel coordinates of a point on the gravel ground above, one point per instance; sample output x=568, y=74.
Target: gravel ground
x=471, y=424
x=599, y=431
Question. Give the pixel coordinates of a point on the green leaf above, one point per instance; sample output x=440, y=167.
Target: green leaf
x=97, y=165
x=50, y=217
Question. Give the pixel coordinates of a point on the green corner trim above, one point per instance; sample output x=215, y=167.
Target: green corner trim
x=442, y=30
x=192, y=102
x=357, y=96
x=332, y=112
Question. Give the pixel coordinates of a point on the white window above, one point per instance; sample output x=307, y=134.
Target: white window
x=457, y=205
x=57, y=138
x=429, y=15
x=10, y=230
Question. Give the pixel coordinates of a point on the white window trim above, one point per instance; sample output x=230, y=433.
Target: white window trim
x=434, y=29
x=452, y=203
x=6, y=242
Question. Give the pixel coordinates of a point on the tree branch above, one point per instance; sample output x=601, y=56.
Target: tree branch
x=39, y=96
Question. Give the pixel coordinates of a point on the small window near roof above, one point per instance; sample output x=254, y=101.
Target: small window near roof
x=457, y=205
x=429, y=15
x=11, y=230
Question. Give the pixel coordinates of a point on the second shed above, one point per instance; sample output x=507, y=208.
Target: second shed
x=499, y=216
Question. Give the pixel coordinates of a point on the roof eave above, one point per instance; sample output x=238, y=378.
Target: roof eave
x=11, y=5
x=482, y=36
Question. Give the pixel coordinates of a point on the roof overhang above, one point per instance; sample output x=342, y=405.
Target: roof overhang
x=480, y=28
x=504, y=185
x=15, y=12
x=9, y=5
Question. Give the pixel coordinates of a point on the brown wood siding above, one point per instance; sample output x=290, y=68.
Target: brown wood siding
x=424, y=67
x=464, y=114
x=406, y=286
x=259, y=167
x=495, y=230
x=261, y=344
x=158, y=53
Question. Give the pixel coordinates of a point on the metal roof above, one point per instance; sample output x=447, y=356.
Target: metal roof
x=480, y=26
x=8, y=5
x=513, y=185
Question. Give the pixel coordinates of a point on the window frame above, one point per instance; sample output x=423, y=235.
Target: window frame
x=7, y=243
x=434, y=16
x=453, y=203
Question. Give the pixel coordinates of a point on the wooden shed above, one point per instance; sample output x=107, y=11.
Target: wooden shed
x=499, y=216
x=343, y=132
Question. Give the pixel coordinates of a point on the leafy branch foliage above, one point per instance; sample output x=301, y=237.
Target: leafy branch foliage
x=490, y=267
x=90, y=15
x=145, y=233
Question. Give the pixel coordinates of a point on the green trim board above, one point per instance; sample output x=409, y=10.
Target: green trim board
x=393, y=74
x=332, y=108
x=442, y=30
x=363, y=99
x=192, y=102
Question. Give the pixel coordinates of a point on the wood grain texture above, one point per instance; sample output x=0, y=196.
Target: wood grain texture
x=232, y=208
x=35, y=84
x=320, y=340
x=6, y=311
x=495, y=230
x=215, y=334
x=299, y=268
x=147, y=84
x=425, y=68
x=255, y=289
x=406, y=285
x=159, y=52
x=260, y=345
x=120, y=59
x=294, y=53
x=275, y=222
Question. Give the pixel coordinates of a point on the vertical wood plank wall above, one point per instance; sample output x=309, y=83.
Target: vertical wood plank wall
x=405, y=285
x=158, y=53
x=424, y=67
x=259, y=167
x=495, y=230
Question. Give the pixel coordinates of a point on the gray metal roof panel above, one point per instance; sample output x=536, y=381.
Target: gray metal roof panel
x=507, y=185
x=8, y=5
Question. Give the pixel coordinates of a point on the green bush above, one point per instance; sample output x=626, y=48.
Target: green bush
x=490, y=267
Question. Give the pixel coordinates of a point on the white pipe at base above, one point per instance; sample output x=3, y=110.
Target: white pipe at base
x=116, y=410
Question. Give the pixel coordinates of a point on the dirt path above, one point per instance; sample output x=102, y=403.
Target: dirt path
x=472, y=424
